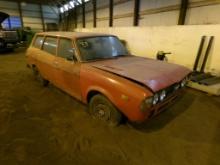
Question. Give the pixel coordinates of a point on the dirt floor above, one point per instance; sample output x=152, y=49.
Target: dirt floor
x=42, y=125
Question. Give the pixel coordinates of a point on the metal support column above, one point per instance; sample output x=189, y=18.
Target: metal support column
x=94, y=13
x=21, y=15
x=42, y=17
x=111, y=3
x=75, y=17
x=9, y=23
x=183, y=10
x=136, y=12
x=83, y=14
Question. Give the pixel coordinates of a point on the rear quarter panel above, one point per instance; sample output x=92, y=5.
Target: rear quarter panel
x=31, y=55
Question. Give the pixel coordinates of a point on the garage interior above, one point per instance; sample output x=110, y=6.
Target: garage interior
x=43, y=125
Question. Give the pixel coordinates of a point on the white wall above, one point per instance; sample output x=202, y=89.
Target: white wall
x=121, y=9
x=182, y=41
x=32, y=16
x=154, y=13
x=9, y=7
x=159, y=18
x=203, y=15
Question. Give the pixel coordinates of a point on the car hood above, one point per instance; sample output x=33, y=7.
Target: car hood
x=3, y=16
x=154, y=74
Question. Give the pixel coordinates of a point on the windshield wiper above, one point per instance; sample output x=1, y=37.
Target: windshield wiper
x=122, y=55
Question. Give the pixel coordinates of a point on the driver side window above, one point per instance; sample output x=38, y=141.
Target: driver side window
x=66, y=50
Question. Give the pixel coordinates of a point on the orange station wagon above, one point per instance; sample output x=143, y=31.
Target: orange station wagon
x=98, y=70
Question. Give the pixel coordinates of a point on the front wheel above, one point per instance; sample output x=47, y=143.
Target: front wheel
x=101, y=108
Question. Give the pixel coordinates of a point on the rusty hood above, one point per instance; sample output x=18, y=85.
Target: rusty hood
x=154, y=74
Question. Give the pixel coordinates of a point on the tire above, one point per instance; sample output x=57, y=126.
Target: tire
x=101, y=108
x=39, y=77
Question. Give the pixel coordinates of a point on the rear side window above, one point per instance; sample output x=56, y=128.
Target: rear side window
x=50, y=45
x=38, y=42
x=66, y=49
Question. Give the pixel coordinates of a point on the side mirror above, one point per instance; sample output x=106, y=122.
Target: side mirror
x=71, y=55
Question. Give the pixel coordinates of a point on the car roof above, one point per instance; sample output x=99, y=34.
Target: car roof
x=73, y=35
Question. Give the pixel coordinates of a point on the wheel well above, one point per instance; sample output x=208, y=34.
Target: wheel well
x=34, y=69
x=91, y=94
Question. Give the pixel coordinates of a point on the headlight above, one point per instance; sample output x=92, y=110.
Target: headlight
x=155, y=99
x=177, y=86
x=183, y=83
x=146, y=104
x=162, y=95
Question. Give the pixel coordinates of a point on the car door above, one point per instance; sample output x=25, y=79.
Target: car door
x=68, y=68
x=46, y=58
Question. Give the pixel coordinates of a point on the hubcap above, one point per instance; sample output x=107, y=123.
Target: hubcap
x=101, y=112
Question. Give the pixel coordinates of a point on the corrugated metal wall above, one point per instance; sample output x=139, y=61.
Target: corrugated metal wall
x=152, y=13
x=31, y=14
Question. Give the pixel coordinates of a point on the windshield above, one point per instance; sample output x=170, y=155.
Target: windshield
x=102, y=47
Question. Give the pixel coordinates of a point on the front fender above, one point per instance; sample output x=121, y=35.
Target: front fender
x=124, y=94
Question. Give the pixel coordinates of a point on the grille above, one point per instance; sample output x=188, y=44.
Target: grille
x=170, y=90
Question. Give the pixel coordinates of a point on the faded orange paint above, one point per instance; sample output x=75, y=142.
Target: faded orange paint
x=113, y=87
x=79, y=79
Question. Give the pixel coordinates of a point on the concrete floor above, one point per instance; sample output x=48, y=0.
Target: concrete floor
x=40, y=126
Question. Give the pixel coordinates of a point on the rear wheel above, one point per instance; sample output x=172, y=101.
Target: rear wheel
x=39, y=77
x=101, y=108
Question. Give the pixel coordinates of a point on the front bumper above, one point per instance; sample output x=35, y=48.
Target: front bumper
x=165, y=104
x=158, y=108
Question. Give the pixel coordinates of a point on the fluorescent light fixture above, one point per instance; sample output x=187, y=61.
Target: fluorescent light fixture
x=66, y=7
x=72, y=4
x=62, y=10
x=79, y=1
